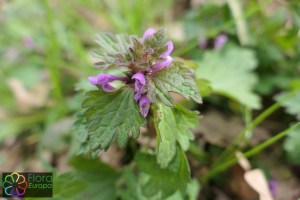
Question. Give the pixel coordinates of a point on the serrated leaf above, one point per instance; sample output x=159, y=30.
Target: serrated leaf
x=111, y=115
x=101, y=178
x=173, y=125
x=82, y=139
x=230, y=73
x=291, y=146
x=291, y=105
x=109, y=46
x=164, y=181
x=174, y=78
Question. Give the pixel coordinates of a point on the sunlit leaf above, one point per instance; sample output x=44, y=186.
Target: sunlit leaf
x=291, y=105
x=230, y=73
x=173, y=125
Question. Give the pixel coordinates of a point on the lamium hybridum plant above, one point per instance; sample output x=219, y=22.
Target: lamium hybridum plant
x=136, y=77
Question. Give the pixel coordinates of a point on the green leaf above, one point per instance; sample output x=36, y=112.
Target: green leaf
x=230, y=73
x=68, y=186
x=164, y=181
x=131, y=188
x=173, y=125
x=291, y=105
x=109, y=46
x=192, y=192
x=291, y=146
x=131, y=183
x=174, y=78
x=111, y=115
x=91, y=179
x=81, y=144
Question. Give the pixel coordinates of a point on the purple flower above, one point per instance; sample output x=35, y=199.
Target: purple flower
x=169, y=50
x=220, y=41
x=167, y=58
x=139, y=85
x=148, y=33
x=144, y=105
x=104, y=80
x=163, y=64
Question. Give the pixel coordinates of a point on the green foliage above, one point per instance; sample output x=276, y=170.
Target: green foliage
x=109, y=46
x=131, y=188
x=291, y=105
x=164, y=181
x=111, y=116
x=62, y=35
x=143, y=52
x=230, y=73
x=131, y=16
x=173, y=125
x=68, y=186
x=191, y=193
x=90, y=180
x=174, y=78
x=82, y=138
x=198, y=21
x=291, y=146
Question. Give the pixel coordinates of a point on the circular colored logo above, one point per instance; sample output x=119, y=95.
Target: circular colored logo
x=15, y=185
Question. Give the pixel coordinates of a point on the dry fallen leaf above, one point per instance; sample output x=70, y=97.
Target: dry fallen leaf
x=256, y=179
x=237, y=186
x=26, y=99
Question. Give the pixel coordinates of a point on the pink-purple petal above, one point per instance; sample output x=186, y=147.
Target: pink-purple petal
x=93, y=80
x=137, y=96
x=220, y=41
x=139, y=85
x=144, y=105
x=139, y=76
x=169, y=50
x=108, y=88
x=104, y=80
x=163, y=64
x=148, y=33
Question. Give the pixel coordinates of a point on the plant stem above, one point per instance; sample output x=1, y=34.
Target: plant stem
x=259, y=119
x=248, y=154
x=53, y=53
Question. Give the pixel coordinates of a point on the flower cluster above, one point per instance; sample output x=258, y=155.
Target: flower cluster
x=140, y=67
